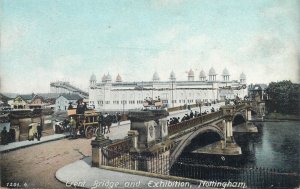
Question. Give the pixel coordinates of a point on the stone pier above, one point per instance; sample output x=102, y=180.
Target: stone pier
x=228, y=146
x=150, y=139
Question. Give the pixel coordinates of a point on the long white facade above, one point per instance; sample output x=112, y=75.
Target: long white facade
x=117, y=96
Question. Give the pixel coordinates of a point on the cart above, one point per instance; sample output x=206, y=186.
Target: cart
x=86, y=123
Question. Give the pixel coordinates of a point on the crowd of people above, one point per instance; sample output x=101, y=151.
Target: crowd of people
x=191, y=115
x=35, y=131
x=7, y=136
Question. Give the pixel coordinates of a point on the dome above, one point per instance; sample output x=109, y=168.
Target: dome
x=225, y=72
x=104, y=78
x=172, y=76
x=202, y=74
x=212, y=71
x=155, y=77
x=119, y=78
x=191, y=73
x=108, y=77
x=242, y=76
x=93, y=77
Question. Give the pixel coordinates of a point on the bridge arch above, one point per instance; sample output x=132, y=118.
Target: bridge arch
x=238, y=118
x=241, y=117
x=187, y=139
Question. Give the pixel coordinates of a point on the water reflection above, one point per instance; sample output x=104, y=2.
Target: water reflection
x=275, y=146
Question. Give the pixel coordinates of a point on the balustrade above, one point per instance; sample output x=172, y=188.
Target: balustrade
x=175, y=128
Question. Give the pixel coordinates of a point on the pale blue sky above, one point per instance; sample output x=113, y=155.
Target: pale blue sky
x=48, y=40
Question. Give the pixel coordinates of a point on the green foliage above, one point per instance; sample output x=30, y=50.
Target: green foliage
x=283, y=97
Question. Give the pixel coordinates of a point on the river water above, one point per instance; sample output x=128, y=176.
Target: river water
x=276, y=146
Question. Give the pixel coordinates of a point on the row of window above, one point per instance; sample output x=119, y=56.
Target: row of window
x=141, y=101
x=61, y=102
x=183, y=101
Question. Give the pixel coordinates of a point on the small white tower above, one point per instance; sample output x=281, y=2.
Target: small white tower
x=212, y=74
x=155, y=77
x=104, y=78
x=108, y=78
x=202, y=76
x=242, y=78
x=119, y=79
x=191, y=75
x=225, y=74
x=172, y=76
x=93, y=79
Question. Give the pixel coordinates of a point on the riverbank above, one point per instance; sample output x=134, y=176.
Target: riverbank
x=281, y=117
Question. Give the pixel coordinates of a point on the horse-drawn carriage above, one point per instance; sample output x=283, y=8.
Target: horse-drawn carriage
x=152, y=104
x=85, y=124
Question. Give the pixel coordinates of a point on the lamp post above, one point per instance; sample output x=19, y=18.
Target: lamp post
x=199, y=102
x=172, y=94
x=123, y=106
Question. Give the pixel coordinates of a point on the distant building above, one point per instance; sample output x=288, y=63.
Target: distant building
x=117, y=95
x=4, y=102
x=39, y=102
x=63, y=101
x=257, y=91
x=21, y=101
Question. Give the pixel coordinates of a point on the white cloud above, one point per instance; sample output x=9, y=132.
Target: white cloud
x=270, y=58
x=12, y=33
x=263, y=45
x=281, y=9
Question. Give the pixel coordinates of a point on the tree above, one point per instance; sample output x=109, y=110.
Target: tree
x=283, y=97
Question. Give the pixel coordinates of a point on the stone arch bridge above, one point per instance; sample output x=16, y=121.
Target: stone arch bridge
x=150, y=136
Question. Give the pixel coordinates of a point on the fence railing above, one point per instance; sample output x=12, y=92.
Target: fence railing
x=158, y=164
x=253, y=177
x=120, y=146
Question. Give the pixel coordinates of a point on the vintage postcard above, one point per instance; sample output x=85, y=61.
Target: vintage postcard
x=150, y=94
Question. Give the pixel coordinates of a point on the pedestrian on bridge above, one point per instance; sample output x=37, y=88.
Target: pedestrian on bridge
x=108, y=122
x=119, y=117
x=72, y=124
x=39, y=131
x=191, y=114
x=4, y=136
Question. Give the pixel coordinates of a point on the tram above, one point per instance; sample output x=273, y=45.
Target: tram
x=86, y=123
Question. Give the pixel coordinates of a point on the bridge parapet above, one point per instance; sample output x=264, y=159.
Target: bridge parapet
x=240, y=106
x=175, y=128
x=225, y=112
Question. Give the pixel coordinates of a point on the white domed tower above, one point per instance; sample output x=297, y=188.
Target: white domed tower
x=104, y=78
x=225, y=75
x=191, y=75
x=108, y=78
x=202, y=76
x=93, y=79
x=172, y=76
x=212, y=74
x=243, y=78
x=155, y=77
x=119, y=79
